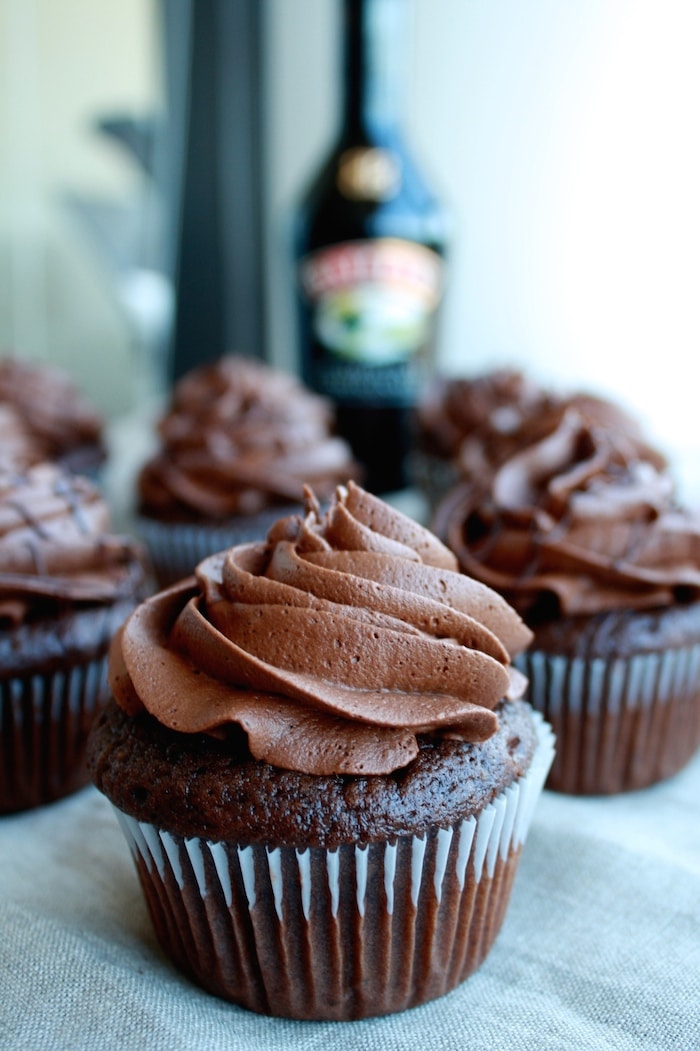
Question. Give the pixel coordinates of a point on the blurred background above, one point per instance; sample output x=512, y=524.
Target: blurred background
x=152, y=151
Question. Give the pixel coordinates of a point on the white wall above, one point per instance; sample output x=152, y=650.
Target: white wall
x=565, y=135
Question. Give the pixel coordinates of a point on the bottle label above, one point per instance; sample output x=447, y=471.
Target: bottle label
x=372, y=304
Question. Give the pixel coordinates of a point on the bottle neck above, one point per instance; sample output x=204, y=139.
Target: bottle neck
x=374, y=51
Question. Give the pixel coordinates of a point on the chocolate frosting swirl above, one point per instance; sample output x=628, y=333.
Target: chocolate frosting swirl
x=332, y=644
x=581, y=521
x=52, y=409
x=240, y=437
x=479, y=422
x=460, y=416
x=56, y=548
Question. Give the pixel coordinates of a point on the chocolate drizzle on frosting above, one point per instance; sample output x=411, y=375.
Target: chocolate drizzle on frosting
x=56, y=548
x=332, y=645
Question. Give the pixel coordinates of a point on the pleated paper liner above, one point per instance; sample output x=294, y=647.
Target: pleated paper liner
x=338, y=934
x=620, y=724
x=45, y=720
x=176, y=548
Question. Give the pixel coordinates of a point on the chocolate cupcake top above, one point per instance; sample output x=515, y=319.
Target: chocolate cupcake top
x=581, y=521
x=53, y=411
x=477, y=416
x=332, y=645
x=240, y=437
x=479, y=422
x=56, y=548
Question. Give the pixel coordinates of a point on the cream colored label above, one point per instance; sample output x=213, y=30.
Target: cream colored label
x=373, y=300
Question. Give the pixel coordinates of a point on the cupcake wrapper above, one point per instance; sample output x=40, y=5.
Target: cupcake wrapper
x=43, y=732
x=175, y=548
x=338, y=934
x=620, y=724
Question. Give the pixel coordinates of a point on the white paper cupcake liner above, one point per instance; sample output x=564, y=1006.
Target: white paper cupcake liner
x=360, y=930
x=43, y=732
x=620, y=724
x=176, y=548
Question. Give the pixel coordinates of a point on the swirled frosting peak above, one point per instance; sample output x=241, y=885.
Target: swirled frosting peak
x=240, y=437
x=332, y=645
x=480, y=422
x=581, y=521
x=458, y=413
x=56, y=548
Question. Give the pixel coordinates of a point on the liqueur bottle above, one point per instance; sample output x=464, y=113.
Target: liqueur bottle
x=370, y=239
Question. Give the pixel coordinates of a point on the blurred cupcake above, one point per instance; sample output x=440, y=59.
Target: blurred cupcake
x=237, y=445
x=466, y=424
x=322, y=765
x=17, y=444
x=63, y=426
x=581, y=533
x=66, y=584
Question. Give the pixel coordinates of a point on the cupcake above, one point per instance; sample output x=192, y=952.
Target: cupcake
x=66, y=585
x=237, y=444
x=580, y=531
x=55, y=413
x=321, y=761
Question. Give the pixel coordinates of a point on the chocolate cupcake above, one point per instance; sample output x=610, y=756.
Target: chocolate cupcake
x=582, y=534
x=66, y=585
x=321, y=761
x=237, y=445
x=57, y=417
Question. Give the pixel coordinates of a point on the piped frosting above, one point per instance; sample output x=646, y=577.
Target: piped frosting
x=333, y=645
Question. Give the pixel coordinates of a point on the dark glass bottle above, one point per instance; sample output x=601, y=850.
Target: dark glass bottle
x=370, y=239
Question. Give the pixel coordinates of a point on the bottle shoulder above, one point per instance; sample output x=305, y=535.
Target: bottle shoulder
x=329, y=213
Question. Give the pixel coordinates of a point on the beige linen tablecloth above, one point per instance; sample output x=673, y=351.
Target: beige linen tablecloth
x=600, y=948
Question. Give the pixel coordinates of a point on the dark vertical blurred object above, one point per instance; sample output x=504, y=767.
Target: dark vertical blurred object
x=204, y=161
x=214, y=76
x=369, y=241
